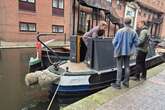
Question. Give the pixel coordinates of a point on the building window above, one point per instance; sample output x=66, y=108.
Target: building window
x=140, y=12
x=82, y=22
x=57, y=29
x=118, y=4
x=58, y=7
x=131, y=12
x=27, y=5
x=145, y=14
x=149, y=17
x=110, y=1
x=27, y=27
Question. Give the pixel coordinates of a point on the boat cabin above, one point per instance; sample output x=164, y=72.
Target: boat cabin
x=99, y=52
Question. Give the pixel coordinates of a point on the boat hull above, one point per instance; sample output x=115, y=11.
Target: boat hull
x=85, y=85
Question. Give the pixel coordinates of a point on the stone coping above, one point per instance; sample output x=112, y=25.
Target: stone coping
x=8, y=45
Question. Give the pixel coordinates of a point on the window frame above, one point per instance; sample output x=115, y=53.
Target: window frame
x=82, y=21
x=27, y=23
x=58, y=4
x=27, y=3
x=54, y=9
x=58, y=26
x=118, y=4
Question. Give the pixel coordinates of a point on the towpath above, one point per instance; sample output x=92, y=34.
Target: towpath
x=143, y=95
x=148, y=96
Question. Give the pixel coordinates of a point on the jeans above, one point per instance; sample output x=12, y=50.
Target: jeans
x=123, y=60
x=140, y=64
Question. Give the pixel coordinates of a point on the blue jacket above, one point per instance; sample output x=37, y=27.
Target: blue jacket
x=125, y=42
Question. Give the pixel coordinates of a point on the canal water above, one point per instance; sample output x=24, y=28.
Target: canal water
x=14, y=94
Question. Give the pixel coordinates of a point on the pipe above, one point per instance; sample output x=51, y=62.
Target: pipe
x=74, y=15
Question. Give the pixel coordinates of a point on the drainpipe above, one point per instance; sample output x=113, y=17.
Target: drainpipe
x=109, y=23
x=74, y=14
x=78, y=17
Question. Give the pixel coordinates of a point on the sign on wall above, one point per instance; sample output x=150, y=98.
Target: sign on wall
x=131, y=12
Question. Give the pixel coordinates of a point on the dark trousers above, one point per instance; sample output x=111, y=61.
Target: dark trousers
x=140, y=64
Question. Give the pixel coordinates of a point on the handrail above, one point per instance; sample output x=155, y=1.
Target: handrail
x=46, y=34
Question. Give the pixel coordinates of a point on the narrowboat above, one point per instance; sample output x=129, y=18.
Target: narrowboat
x=90, y=67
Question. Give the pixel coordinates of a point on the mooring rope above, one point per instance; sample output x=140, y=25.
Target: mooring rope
x=54, y=95
x=47, y=51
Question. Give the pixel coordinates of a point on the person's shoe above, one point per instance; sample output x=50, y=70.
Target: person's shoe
x=134, y=78
x=116, y=86
x=125, y=85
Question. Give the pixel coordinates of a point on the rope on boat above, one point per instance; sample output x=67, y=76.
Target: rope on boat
x=54, y=95
x=51, y=62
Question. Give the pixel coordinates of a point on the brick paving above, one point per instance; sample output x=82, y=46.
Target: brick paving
x=148, y=96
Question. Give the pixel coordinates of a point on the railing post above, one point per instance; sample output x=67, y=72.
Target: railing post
x=0, y=42
x=64, y=38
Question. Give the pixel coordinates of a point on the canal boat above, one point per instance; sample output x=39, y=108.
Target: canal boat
x=95, y=72
x=90, y=67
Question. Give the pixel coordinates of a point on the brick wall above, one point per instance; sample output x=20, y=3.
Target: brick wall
x=11, y=16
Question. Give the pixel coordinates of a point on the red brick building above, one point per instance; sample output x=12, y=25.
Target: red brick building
x=20, y=20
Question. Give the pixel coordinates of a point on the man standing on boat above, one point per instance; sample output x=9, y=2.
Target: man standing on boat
x=142, y=51
x=125, y=42
x=96, y=31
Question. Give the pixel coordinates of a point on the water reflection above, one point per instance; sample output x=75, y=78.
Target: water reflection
x=13, y=92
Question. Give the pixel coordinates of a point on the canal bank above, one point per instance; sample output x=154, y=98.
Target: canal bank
x=8, y=45
x=104, y=99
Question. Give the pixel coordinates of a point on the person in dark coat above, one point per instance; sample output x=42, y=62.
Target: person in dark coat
x=142, y=50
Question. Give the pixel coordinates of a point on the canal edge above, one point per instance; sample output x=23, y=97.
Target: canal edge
x=98, y=99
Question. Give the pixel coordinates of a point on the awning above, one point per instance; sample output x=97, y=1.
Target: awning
x=114, y=17
x=156, y=20
x=141, y=4
x=100, y=4
x=103, y=5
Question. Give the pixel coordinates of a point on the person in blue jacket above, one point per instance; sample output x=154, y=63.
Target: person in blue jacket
x=125, y=42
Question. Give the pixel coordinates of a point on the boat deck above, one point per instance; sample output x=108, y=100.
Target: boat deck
x=76, y=67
